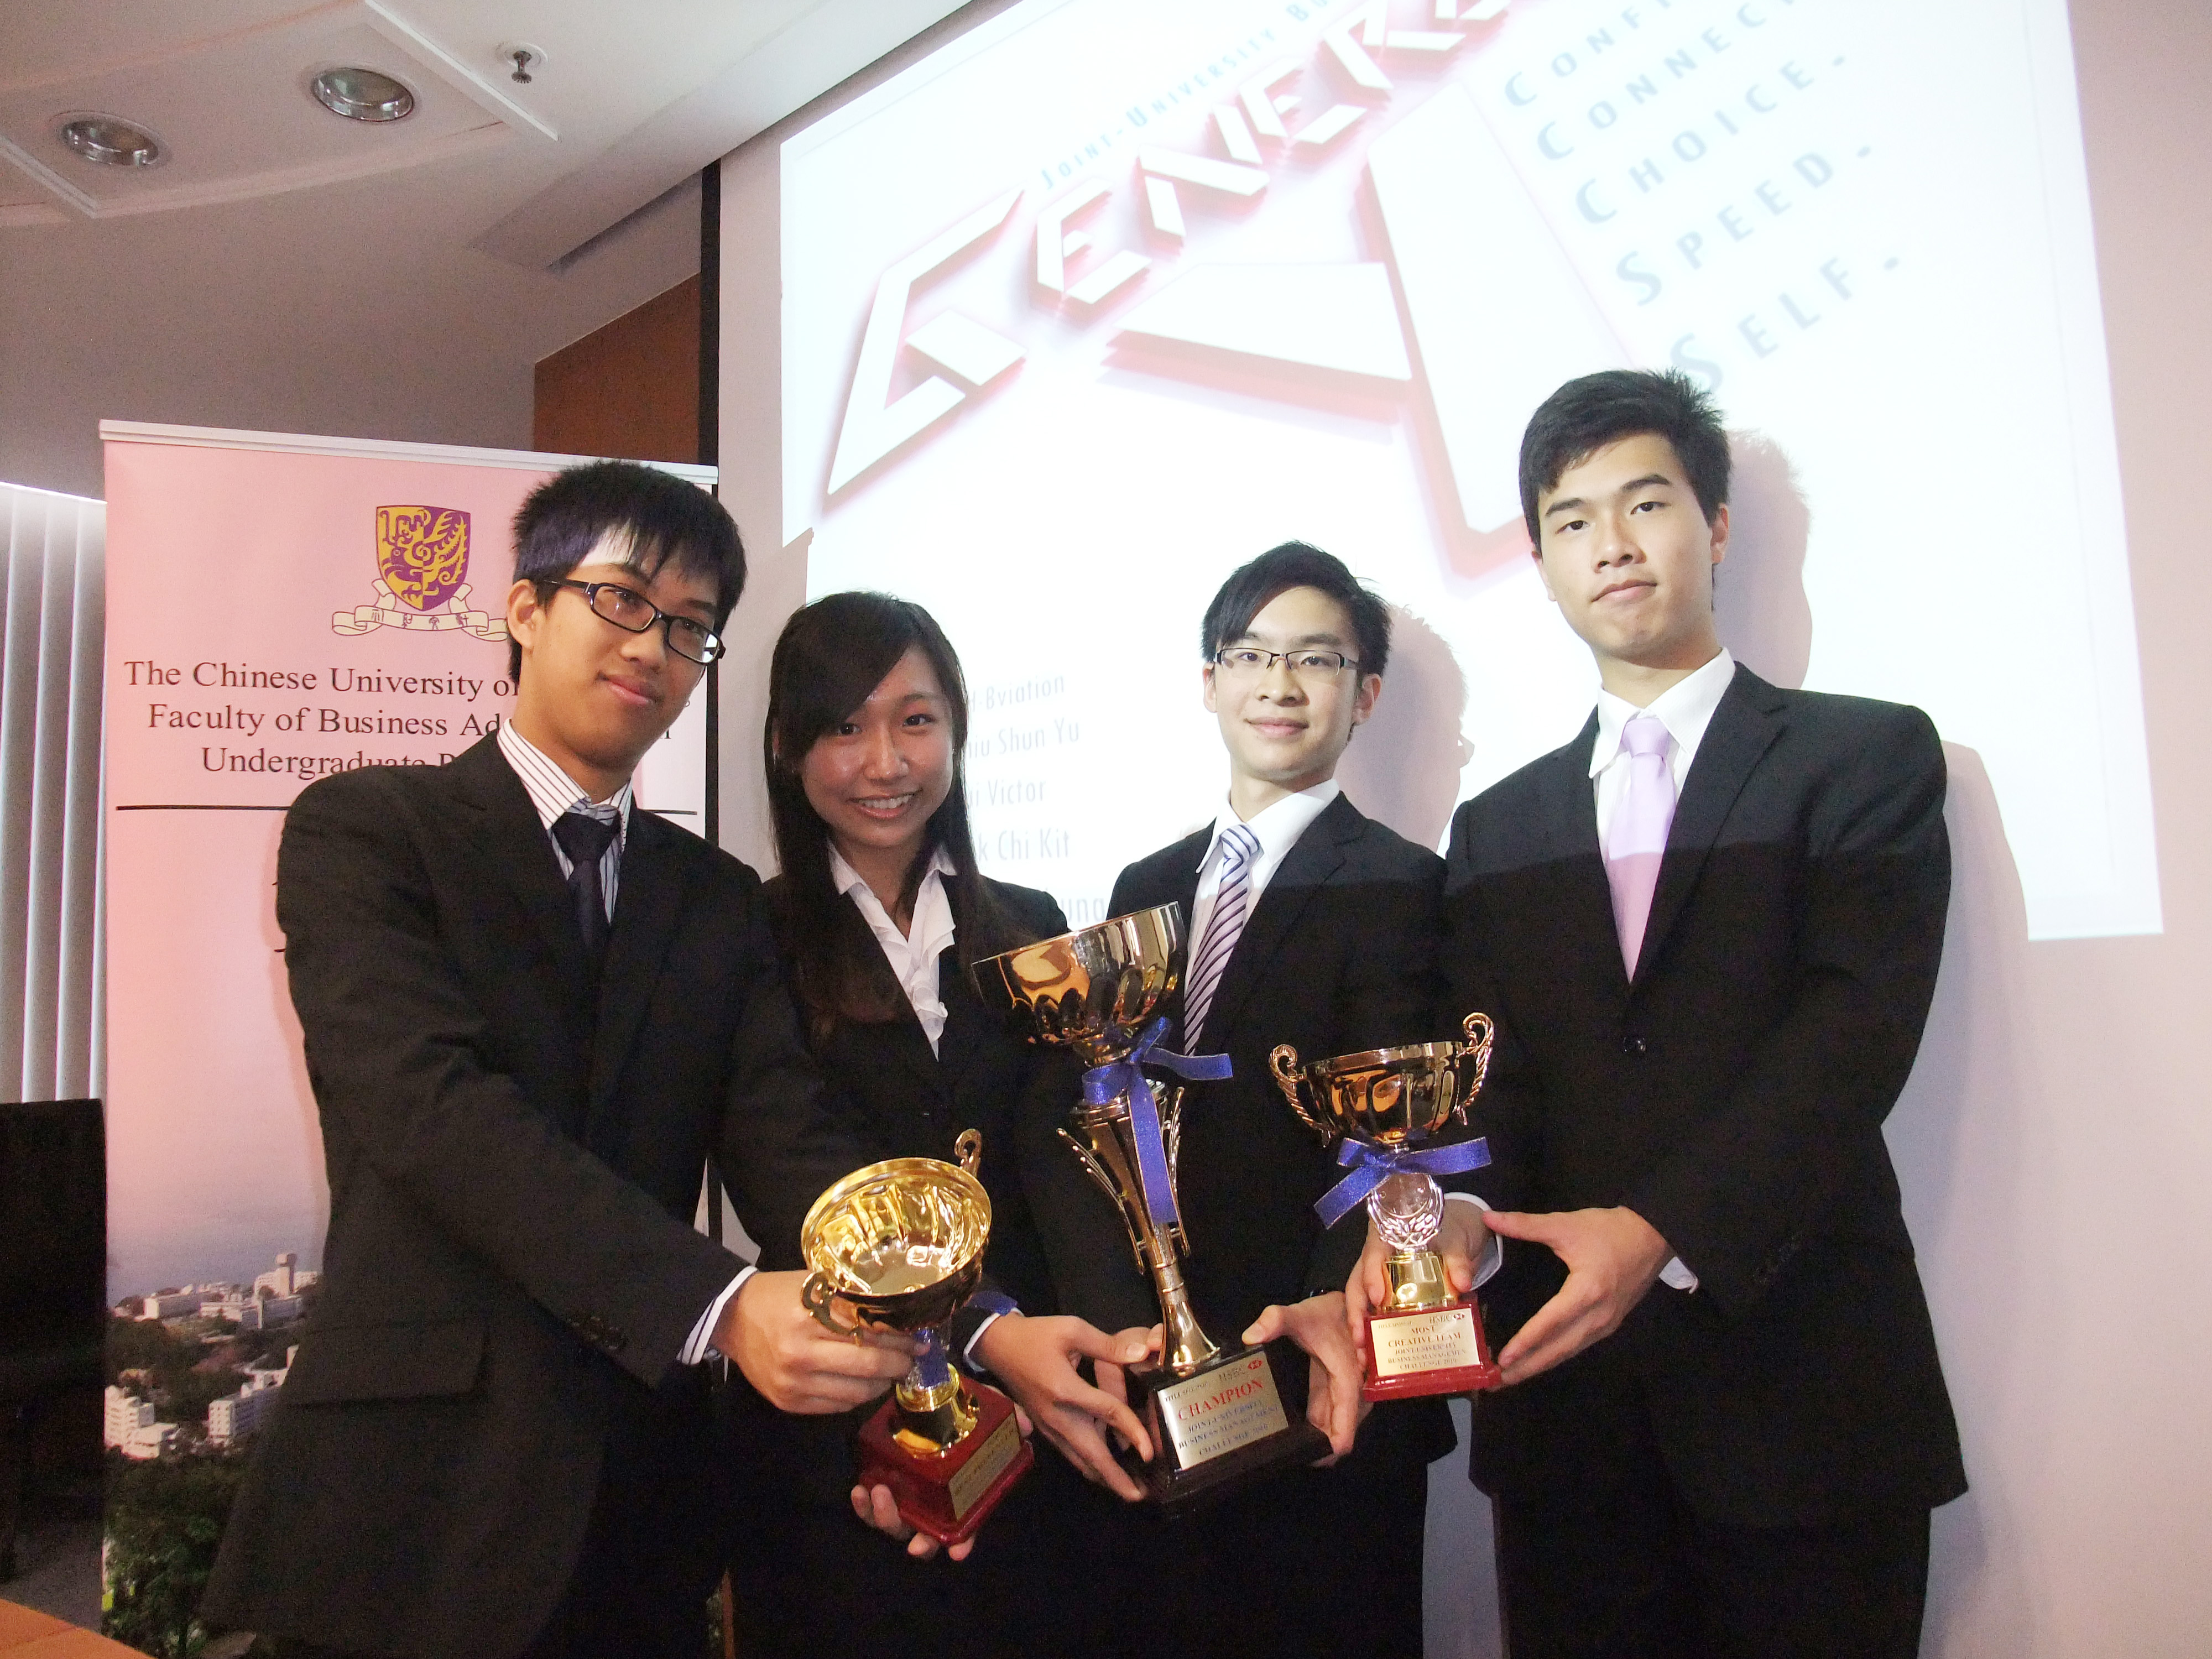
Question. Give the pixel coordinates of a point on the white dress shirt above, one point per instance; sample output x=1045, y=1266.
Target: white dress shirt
x=1277, y=828
x=913, y=955
x=1685, y=709
x=553, y=792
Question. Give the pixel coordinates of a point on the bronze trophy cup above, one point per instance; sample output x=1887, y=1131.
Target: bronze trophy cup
x=1384, y=1107
x=1214, y=1414
x=902, y=1243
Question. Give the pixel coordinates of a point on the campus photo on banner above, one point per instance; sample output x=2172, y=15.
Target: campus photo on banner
x=278, y=609
x=1100, y=298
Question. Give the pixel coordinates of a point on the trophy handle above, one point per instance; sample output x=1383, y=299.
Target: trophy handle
x=1097, y=1171
x=969, y=1149
x=1284, y=1063
x=815, y=1295
x=1482, y=1033
x=1170, y=1106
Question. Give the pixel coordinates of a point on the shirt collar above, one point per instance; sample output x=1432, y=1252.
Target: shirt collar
x=551, y=790
x=1685, y=709
x=912, y=954
x=845, y=878
x=1278, y=826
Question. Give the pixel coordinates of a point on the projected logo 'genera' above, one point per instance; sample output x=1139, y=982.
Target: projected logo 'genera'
x=1431, y=131
x=1340, y=321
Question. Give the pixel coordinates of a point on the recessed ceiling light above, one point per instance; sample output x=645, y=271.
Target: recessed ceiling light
x=363, y=94
x=111, y=142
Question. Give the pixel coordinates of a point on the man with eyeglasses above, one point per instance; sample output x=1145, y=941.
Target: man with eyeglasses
x=531, y=1011
x=1313, y=925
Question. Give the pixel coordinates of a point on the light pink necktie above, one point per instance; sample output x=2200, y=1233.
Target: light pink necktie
x=1636, y=840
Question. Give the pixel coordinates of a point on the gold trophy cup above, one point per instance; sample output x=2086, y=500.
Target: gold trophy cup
x=1214, y=1415
x=1384, y=1106
x=901, y=1242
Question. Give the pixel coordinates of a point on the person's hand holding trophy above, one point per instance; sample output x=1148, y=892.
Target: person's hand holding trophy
x=901, y=1244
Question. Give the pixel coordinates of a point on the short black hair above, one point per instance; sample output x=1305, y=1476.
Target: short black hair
x=1584, y=416
x=661, y=519
x=1252, y=587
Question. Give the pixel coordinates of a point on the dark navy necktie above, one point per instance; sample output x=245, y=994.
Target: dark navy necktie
x=585, y=839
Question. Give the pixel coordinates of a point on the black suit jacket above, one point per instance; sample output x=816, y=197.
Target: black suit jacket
x=1338, y=955
x=910, y=1102
x=514, y=1153
x=1733, y=1095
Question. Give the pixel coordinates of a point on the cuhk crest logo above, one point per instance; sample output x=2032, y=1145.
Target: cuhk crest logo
x=421, y=569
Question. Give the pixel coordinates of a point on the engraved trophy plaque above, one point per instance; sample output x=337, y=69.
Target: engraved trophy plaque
x=902, y=1243
x=1215, y=1415
x=1384, y=1107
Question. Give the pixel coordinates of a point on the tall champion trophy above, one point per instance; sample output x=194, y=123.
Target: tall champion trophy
x=1214, y=1414
x=901, y=1242
x=1383, y=1107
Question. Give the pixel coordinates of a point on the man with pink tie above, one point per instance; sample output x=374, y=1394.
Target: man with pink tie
x=1709, y=929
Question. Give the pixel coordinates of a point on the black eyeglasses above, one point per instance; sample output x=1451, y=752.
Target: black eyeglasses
x=634, y=613
x=1243, y=661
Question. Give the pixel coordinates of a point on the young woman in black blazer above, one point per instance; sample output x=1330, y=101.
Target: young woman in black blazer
x=877, y=910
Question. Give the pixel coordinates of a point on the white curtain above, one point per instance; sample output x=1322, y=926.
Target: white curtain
x=52, y=1003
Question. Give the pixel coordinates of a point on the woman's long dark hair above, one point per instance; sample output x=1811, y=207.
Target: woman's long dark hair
x=832, y=655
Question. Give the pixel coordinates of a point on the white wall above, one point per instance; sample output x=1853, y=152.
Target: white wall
x=2056, y=1145
x=356, y=310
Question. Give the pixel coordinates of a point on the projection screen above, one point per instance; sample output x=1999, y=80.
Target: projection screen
x=1084, y=302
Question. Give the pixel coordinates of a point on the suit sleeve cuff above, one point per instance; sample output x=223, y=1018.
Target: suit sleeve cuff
x=700, y=1347
x=993, y=1305
x=1493, y=1253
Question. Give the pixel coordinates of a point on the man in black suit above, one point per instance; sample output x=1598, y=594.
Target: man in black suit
x=1313, y=925
x=1725, y=1423
x=531, y=1012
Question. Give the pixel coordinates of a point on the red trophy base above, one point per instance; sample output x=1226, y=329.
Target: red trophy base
x=1423, y=1351
x=947, y=1494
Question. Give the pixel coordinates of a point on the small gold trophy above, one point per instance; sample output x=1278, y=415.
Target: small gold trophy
x=901, y=1242
x=1214, y=1414
x=1383, y=1106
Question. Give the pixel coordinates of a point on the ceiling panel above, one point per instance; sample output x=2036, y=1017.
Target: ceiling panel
x=238, y=119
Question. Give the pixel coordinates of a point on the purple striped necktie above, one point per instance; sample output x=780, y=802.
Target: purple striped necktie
x=1636, y=840
x=1239, y=848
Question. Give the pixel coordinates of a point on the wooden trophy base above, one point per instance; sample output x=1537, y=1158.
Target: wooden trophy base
x=1412, y=1351
x=947, y=1494
x=1214, y=1428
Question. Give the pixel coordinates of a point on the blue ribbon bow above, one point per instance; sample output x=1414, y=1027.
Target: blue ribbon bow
x=1103, y=1083
x=1372, y=1165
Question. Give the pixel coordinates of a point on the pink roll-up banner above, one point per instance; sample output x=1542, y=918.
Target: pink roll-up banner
x=278, y=607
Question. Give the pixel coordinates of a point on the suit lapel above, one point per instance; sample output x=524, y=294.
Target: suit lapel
x=1182, y=860
x=521, y=853
x=1567, y=802
x=1744, y=726
x=648, y=904
x=1317, y=857
x=966, y=1024
x=907, y=1038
